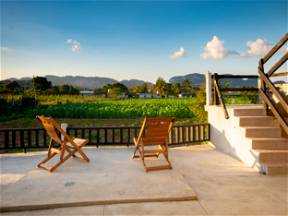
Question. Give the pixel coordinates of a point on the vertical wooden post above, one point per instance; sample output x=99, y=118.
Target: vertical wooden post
x=263, y=86
x=208, y=89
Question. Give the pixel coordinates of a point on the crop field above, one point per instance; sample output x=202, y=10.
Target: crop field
x=91, y=107
x=130, y=108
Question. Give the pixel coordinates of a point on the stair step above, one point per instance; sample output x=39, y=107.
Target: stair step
x=249, y=112
x=256, y=121
x=263, y=132
x=270, y=143
x=276, y=169
x=272, y=156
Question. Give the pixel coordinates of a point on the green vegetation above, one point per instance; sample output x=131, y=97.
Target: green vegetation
x=64, y=102
x=91, y=107
x=243, y=98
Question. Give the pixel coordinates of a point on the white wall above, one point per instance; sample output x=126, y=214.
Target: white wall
x=228, y=137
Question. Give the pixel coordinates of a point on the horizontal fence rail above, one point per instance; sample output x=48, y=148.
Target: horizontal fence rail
x=218, y=90
x=26, y=138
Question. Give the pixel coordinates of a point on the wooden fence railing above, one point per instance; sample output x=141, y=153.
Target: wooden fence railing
x=271, y=96
x=25, y=138
x=218, y=91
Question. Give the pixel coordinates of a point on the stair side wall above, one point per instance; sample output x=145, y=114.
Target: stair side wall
x=227, y=136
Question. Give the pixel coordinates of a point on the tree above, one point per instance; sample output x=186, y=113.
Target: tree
x=135, y=89
x=198, y=108
x=116, y=89
x=160, y=86
x=41, y=83
x=68, y=89
x=101, y=91
x=144, y=87
x=139, y=88
x=188, y=88
x=176, y=88
x=11, y=87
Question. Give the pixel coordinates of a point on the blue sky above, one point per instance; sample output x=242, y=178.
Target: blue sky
x=137, y=39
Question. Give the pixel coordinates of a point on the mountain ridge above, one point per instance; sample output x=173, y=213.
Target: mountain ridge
x=93, y=82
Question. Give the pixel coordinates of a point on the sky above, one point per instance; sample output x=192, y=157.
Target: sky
x=137, y=39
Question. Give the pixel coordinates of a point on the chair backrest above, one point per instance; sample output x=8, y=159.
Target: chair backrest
x=52, y=128
x=156, y=130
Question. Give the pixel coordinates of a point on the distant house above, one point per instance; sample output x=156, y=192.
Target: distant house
x=148, y=95
x=144, y=95
x=100, y=95
x=86, y=92
x=184, y=95
x=122, y=96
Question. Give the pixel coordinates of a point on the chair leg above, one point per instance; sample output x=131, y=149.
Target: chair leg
x=83, y=155
x=165, y=153
x=46, y=159
x=60, y=162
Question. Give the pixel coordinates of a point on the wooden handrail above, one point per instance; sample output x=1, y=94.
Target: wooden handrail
x=267, y=86
x=279, y=74
x=240, y=89
x=274, y=110
x=278, y=64
x=220, y=96
x=235, y=76
x=273, y=89
x=275, y=48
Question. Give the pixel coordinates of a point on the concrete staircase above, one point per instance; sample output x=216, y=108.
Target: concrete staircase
x=267, y=140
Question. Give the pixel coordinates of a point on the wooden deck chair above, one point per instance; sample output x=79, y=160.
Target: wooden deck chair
x=154, y=132
x=60, y=146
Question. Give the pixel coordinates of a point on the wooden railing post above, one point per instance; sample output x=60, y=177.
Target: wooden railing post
x=208, y=89
x=64, y=127
x=263, y=85
x=268, y=89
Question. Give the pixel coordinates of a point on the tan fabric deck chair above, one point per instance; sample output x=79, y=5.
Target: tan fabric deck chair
x=154, y=133
x=67, y=145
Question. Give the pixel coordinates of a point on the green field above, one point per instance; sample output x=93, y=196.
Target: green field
x=130, y=108
x=93, y=111
x=92, y=108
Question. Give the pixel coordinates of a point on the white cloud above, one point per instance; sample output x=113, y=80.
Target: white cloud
x=7, y=49
x=214, y=49
x=259, y=47
x=74, y=45
x=178, y=54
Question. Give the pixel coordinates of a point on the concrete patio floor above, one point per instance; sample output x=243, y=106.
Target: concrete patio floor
x=223, y=185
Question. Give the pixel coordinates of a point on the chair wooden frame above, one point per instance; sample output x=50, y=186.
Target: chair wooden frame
x=65, y=145
x=154, y=132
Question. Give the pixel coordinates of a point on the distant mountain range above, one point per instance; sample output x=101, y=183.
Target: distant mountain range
x=97, y=82
x=79, y=81
x=195, y=78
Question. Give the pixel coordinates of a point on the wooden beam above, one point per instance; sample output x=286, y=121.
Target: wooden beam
x=275, y=48
x=279, y=74
x=278, y=64
x=274, y=90
x=237, y=76
x=220, y=96
x=274, y=110
x=239, y=89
